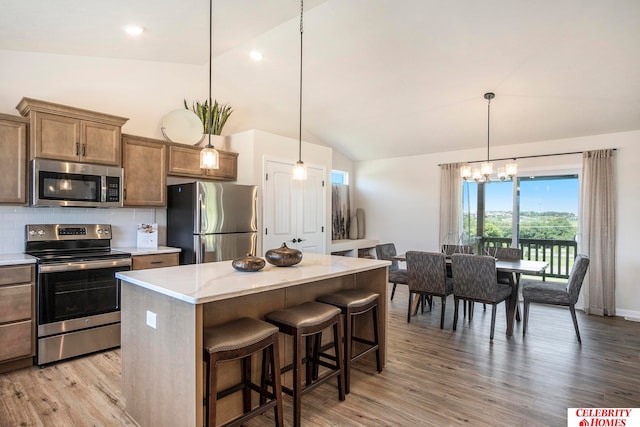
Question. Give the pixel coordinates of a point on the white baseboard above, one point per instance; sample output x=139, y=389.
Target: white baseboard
x=631, y=315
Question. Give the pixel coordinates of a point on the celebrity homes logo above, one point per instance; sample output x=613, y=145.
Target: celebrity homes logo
x=603, y=417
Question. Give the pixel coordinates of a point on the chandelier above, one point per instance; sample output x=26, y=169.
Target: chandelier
x=483, y=174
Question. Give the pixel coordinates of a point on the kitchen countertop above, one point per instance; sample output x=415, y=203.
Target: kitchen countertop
x=15, y=259
x=149, y=251
x=214, y=281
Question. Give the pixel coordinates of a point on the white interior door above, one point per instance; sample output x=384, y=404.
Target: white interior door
x=293, y=211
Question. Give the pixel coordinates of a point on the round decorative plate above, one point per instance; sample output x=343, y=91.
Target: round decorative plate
x=182, y=126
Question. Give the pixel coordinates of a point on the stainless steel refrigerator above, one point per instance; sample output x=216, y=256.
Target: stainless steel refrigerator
x=211, y=221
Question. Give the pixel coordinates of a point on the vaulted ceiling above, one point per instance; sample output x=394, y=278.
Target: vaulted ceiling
x=382, y=78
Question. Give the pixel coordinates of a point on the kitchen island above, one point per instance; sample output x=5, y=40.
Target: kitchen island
x=165, y=310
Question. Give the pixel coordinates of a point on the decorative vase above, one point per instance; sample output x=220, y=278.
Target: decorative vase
x=248, y=263
x=360, y=216
x=283, y=256
x=218, y=141
x=353, y=228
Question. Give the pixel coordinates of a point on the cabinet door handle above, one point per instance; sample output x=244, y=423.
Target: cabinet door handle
x=77, y=148
x=124, y=192
x=84, y=150
x=157, y=262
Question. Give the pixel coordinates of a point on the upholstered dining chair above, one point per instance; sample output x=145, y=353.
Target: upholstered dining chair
x=507, y=254
x=449, y=250
x=556, y=293
x=387, y=251
x=475, y=280
x=427, y=276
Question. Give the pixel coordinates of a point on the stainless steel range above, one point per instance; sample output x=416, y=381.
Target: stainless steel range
x=77, y=294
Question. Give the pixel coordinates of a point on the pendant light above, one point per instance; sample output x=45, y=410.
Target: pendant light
x=209, y=158
x=299, y=170
x=486, y=168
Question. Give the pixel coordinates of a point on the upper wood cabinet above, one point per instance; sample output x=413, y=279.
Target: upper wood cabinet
x=145, y=171
x=184, y=160
x=13, y=161
x=66, y=133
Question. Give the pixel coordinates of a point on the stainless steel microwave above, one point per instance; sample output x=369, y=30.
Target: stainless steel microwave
x=56, y=183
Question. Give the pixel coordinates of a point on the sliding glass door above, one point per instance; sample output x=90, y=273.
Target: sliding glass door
x=539, y=215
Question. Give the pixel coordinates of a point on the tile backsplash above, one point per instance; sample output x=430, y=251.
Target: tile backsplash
x=123, y=221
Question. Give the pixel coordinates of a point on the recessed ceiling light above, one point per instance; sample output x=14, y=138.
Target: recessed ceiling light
x=256, y=56
x=133, y=30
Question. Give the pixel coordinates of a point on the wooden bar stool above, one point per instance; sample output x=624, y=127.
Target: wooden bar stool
x=354, y=302
x=307, y=321
x=240, y=339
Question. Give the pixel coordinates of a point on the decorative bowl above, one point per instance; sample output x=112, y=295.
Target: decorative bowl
x=248, y=263
x=283, y=256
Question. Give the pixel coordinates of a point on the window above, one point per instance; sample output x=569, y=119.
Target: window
x=540, y=216
x=339, y=177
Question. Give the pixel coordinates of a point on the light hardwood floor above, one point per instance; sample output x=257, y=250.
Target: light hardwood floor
x=433, y=377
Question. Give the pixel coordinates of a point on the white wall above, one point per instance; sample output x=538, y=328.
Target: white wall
x=143, y=91
x=401, y=198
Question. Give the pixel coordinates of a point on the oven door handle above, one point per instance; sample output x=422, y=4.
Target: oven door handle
x=88, y=265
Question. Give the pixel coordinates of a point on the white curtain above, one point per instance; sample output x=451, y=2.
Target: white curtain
x=598, y=231
x=450, y=204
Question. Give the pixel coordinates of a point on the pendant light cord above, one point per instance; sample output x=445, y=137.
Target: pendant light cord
x=300, y=118
x=488, y=123
x=210, y=107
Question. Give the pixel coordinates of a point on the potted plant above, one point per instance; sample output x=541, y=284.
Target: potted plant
x=216, y=116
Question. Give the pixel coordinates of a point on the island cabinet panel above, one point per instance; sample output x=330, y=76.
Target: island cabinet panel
x=145, y=172
x=13, y=162
x=185, y=161
x=17, y=316
x=160, y=388
x=66, y=133
x=162, y=364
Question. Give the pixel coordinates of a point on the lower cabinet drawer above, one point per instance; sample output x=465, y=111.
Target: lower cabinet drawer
x=16, y=340
x=15, y=303
x=16, y=274
x=141, y=262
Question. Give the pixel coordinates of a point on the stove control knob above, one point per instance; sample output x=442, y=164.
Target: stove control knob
x=99, y=230
x=41, y=232
x=106, y=231
x=32, y=232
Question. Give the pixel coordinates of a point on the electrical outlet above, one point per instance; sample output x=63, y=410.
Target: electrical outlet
x=151, y=319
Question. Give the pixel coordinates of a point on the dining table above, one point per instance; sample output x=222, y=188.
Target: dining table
x=517, y=268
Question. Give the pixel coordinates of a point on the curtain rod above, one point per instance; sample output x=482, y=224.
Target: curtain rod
x=530, y=157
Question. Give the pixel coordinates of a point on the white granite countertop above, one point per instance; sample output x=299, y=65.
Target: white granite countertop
x=149, y=251
x=15, y=259
x=214, y=281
